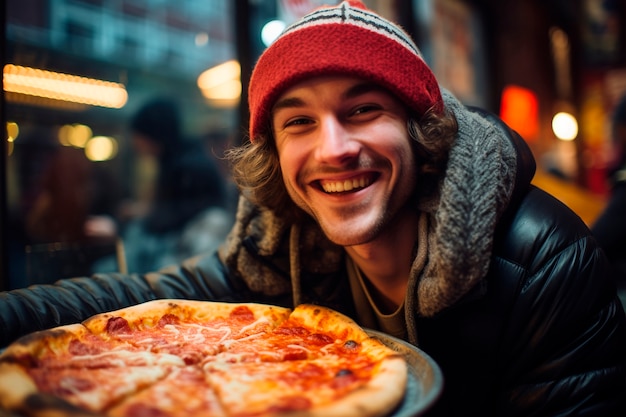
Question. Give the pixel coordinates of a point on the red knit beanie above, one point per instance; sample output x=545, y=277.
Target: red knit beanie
x=348, y=40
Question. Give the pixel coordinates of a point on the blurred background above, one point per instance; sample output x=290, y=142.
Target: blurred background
x=89, y=161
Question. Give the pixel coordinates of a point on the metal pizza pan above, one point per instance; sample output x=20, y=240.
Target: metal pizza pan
x=425, y=379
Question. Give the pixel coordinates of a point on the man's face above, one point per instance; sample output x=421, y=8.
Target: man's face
x=345, y=156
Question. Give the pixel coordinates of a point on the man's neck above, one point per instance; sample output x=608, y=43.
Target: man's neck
x=386, y=262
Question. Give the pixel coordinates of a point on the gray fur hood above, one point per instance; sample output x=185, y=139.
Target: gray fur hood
x=456, y=228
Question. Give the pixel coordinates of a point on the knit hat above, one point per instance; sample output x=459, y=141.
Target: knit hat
x=347, y=39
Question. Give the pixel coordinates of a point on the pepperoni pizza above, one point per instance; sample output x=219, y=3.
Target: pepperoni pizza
x=192, y=358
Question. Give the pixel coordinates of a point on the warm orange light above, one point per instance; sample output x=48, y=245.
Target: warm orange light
x=222, y=82
x=519, y=108
x=75, y=135
x=65, y=87
x=13, y=130
x=101, y=148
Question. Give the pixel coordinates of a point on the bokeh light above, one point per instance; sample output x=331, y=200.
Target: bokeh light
x=271, y=30
x=101, y=148
x=75, y=135
x=565, y=126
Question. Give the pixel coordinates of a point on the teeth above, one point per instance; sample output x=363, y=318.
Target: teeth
x=347, y=185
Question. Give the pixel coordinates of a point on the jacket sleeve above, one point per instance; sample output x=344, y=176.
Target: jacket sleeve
x=566, y=336
x=72, y=300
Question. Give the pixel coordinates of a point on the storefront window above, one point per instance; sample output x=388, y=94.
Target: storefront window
x=79, y=177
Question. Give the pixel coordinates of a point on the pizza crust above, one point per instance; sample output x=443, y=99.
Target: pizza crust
x=15, y=386
x=53, y=341
x=149, y=313
x=330, y=321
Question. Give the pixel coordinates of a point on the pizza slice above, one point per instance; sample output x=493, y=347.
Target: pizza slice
x=68, y=370
x=96, y=389
x=321, y=387
x=316, y=363
x=91, y=389
x=74, y=346
x=310, y=332
x=185, y=392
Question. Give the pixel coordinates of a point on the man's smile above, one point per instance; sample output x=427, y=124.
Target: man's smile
x=349, y=184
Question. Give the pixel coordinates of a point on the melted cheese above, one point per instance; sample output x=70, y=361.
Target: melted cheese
x=121, y=358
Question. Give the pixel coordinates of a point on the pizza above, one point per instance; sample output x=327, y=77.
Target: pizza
x=194, y=358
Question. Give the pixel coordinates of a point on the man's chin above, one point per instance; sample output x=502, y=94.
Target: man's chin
x=347, y=236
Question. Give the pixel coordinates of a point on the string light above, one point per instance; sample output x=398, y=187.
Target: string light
x=64, y=87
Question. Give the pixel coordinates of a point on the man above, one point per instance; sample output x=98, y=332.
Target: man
x=368, y=189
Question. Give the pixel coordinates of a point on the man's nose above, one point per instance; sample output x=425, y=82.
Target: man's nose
x=336, y=143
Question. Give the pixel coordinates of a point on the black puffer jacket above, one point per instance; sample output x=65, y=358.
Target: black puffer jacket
x=542, y=334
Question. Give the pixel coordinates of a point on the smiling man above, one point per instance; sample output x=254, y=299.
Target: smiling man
x=367, y=188
x=380, y=195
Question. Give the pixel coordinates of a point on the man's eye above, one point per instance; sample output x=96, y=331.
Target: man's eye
x=297, y=122
x=365, y=109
